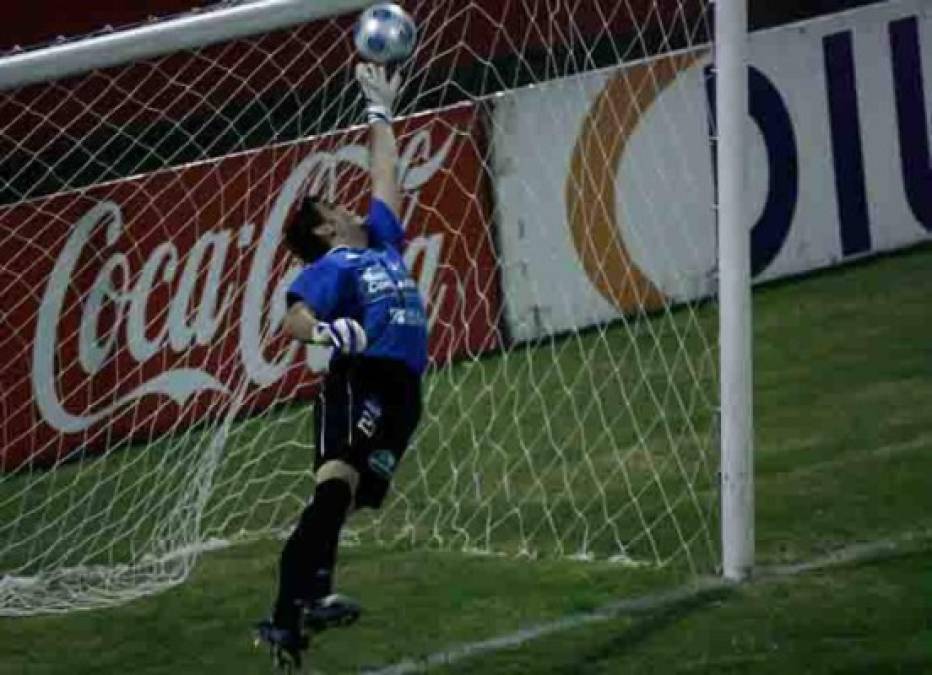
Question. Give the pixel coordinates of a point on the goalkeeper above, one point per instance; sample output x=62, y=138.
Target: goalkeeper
x=356, y=296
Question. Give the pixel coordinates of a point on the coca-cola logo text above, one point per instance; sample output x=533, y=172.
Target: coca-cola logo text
x=206, y=303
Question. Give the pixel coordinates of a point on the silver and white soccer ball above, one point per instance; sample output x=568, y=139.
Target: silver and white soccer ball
x=385, y=33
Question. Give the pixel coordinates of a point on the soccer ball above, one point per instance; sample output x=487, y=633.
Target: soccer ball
x=385, y=33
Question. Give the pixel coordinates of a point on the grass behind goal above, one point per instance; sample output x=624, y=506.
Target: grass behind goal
x=844, y=455
x=599, y=445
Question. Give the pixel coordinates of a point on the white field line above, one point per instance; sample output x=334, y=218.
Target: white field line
x=878, y=549
x=857, y=553
x=884, y=451
x=644, y=603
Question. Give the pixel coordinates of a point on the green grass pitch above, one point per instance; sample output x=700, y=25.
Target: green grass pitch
x=843, y=393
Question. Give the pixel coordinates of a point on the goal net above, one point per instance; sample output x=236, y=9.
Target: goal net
x=556, y=166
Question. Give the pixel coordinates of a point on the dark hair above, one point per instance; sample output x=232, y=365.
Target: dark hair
x=300, y=237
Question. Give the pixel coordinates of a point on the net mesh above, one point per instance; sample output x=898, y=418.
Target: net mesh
x=152, y=407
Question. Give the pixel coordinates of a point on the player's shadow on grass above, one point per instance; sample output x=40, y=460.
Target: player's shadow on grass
x=643, y=626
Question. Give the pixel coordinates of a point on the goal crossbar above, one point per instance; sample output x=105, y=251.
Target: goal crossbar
x=188, y=31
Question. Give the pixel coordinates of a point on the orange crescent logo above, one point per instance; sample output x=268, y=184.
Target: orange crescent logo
x=590, y=185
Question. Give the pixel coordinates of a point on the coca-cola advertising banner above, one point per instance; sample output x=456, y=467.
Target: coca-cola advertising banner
x=145, y=305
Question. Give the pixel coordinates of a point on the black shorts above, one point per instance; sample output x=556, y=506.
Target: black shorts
x=366, y=413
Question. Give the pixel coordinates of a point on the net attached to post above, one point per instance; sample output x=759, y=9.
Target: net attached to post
x=560, y=227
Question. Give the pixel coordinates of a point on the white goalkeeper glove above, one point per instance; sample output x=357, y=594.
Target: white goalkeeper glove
x=344, y=335
x=380, y=92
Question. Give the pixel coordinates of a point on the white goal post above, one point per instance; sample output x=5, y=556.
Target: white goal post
x=731, y=21
x=590, y=388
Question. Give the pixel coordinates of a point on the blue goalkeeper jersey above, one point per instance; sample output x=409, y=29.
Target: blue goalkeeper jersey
x=373, y=286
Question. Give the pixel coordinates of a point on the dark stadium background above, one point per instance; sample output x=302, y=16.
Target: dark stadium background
x=28, y=23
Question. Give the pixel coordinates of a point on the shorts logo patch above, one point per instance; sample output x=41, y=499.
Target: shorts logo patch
x=382, y=463
x=369, y=420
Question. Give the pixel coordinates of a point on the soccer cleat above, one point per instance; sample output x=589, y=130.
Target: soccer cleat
x=330, y=611
x=286, y=645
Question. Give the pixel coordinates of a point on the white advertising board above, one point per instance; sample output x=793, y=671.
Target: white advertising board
x=605, y=187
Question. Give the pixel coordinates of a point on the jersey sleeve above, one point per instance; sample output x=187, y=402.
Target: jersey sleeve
x=324, y=287
x=384, y=227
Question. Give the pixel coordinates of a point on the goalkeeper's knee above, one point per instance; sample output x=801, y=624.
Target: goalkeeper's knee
x=338, y=470
x=324, y=515
x=332, y=500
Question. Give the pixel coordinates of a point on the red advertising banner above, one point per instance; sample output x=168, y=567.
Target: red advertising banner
x=145, y=305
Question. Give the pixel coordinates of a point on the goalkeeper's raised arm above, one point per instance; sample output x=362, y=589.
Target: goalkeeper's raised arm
x=380, y=93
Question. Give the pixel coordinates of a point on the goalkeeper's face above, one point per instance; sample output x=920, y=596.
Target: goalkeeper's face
x=342, y=227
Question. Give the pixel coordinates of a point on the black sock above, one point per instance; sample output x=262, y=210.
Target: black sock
x=309, y=555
